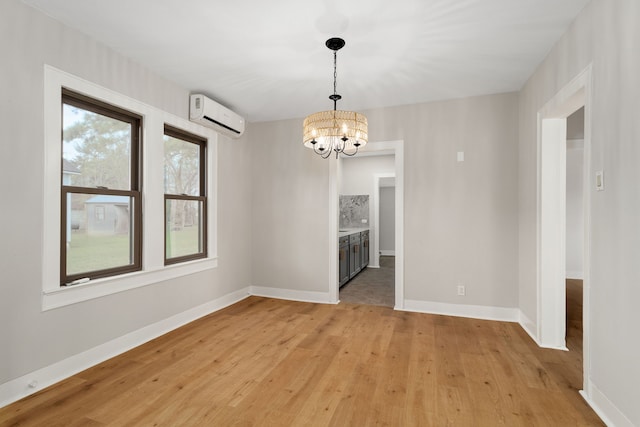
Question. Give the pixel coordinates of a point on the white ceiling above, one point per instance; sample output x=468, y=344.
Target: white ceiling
x=266, y=59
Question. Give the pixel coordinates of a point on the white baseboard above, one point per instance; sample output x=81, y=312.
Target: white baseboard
x=502, y=314
x=606, y=410
x=577, y=275
x=463, y=310
x=34, y=381
x=529, y=327
x=290, y=294
x=384, y=252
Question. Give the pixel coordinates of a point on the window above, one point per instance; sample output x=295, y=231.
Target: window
x=95, y=164
x=100, y=194
x=185, y=196
x=99, y=213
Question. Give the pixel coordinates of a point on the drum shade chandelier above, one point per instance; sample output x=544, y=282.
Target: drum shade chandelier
x=339, y=131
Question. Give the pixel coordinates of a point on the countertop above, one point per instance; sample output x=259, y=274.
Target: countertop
x=347, y=231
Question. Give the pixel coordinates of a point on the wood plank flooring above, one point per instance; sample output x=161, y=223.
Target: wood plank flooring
x=268, y=362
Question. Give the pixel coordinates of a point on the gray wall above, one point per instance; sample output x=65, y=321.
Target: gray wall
x=606, y=34
x=575, y=209
x=387, y=219
x=574, y=187
x=290, y=217
x=32, y=339
x=575, y=125
x=460, y=218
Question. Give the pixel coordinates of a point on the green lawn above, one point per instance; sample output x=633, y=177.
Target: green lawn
x=183, y=242
x=92, y=253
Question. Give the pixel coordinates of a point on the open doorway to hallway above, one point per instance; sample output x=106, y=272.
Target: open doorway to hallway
x=366, y=189
x=376, y=286
x=575, y=236
x=559, y=324
x=337, y=178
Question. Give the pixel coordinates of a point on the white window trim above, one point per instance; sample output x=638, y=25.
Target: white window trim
x=153, y=268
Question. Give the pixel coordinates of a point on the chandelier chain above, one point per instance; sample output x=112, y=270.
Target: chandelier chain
x=335, y=72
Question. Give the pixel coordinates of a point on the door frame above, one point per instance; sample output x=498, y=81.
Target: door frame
x=551, y=215
x=395, y=148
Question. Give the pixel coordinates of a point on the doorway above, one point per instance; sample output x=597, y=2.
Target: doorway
x=551, y=324
x=575, y=231
x=375, y=284
x=388, y=148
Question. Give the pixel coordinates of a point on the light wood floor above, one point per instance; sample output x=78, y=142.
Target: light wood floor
x=270, y=362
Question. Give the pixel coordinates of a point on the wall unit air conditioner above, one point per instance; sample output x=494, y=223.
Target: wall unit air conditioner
x=208, y=112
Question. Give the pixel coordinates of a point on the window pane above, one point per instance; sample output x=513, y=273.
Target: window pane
x=98, y=230
x=181, y=167
x=96, y=150
x=184, y=228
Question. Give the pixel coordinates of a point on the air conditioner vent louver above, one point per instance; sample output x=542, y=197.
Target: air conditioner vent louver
x=217, y=123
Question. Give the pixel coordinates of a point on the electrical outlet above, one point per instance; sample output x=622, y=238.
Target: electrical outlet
x=461, y=290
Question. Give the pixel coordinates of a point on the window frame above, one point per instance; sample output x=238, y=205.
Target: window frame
x=153, y=272
x=69, y=97
x=183, y=135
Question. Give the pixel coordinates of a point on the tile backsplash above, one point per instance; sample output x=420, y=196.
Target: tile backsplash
x=354, y=209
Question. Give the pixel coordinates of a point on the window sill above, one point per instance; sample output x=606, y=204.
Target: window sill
x=67, y=295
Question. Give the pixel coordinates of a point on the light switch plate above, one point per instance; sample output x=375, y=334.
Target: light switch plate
x=599, y=180
x=461, y=156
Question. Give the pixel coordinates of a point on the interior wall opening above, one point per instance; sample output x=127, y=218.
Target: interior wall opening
x=559, y=308
x=574, y=233
x=380, y=164
x=367, y=274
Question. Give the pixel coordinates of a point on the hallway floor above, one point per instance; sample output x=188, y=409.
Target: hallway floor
x=373, y=286
x=574, y=331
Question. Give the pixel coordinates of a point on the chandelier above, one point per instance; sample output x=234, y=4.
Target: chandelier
x=339, y=131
